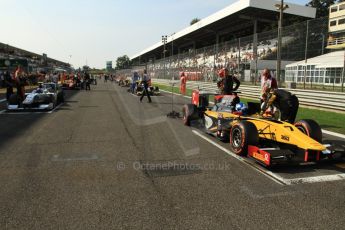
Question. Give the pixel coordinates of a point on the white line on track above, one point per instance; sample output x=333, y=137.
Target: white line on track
x=276, y=178
x=269, y=174
x=334, y=134
x=324, y=178
x=2, y=100
x=56, y=107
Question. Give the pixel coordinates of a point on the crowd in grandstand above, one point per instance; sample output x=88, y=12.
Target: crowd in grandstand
x=204, y=64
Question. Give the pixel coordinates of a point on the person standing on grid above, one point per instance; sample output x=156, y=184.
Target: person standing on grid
x=145, y=81
x=183, y=83
x=268, y=83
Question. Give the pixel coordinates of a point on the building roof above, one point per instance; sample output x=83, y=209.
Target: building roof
x=235, y=15
x=331, y=60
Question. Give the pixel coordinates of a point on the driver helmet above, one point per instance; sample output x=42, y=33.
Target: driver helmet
x=241, y=107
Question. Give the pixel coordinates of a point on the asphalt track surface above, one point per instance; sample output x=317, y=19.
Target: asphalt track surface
x=103, y=160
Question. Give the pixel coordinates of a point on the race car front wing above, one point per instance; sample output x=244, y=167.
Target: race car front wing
x=272, y=156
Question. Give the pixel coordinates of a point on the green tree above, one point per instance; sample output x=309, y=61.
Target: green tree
x=123, y=62
x=321, y=6
x=194, y=20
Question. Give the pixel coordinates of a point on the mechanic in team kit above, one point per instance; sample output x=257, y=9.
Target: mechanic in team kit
x=183, y=84
x=145, y=81
x=20, y=82
x=135, y=78
x=87, y=81
x=286, y=103
x=268, y=82
x=8, y=84
x=226, y=84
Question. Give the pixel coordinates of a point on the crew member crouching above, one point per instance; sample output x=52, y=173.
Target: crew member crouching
x=284, y=101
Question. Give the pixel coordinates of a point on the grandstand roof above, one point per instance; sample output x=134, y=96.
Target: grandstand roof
x=6, y=49
x=236, y=19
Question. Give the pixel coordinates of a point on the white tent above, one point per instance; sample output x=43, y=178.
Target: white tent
x=325, y=69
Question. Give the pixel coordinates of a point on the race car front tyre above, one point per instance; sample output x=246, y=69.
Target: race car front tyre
x=189, y=112
x=311, y=128
x=243, y=134
x=13, y=100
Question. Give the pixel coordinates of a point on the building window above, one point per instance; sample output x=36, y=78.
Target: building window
x=334, y=9
x=342, y=7
x=333, y=23
x=338, y=75
x=322, y=73
x=341, y=21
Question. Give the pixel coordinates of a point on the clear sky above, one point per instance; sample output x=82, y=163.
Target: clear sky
x=94, y=31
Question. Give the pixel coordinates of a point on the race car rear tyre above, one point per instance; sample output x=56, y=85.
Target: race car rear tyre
x=60, y=99
x=52, y=100
x=243, y=134
x=189, y=112
x=311, y=128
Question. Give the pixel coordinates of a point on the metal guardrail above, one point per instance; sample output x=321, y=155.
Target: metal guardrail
x=334, y=101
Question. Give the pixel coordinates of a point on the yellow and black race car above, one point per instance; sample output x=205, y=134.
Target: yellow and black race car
x=264, y=138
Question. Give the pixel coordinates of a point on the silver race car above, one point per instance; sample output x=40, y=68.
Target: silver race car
x=45, y=97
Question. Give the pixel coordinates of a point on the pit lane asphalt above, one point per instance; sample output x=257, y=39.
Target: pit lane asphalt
x=79, y=168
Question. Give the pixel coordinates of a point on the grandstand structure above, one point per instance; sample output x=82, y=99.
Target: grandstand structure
x=11, y=57
x=233, y=37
